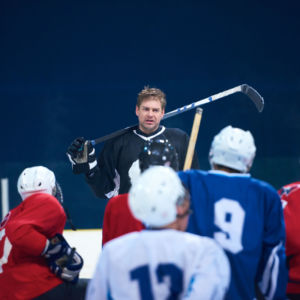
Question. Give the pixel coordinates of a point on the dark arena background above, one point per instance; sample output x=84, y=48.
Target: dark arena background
x=74, y=68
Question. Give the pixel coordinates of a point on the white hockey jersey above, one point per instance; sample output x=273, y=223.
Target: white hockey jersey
x=160, y=264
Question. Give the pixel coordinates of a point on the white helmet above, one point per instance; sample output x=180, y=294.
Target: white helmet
x=233, y=148
x=154, y=195
x=36, y=180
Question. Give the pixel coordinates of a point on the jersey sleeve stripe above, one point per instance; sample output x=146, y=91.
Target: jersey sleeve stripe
x=270, y=274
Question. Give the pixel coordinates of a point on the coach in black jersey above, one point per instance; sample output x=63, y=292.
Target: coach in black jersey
x=110, y=174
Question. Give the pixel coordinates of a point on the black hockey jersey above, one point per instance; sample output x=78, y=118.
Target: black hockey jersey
x=119, y=154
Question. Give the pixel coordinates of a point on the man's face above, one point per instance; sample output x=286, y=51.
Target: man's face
x=149, y=114
x=183, y=213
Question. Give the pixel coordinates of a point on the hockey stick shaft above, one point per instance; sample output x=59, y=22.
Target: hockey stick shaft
x=256, y=98
x=193, y=139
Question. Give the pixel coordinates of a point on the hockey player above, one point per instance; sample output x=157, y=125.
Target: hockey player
x=290, y=197
x=160, y=262
x=118, y=219
x=109, y=175
x=242, y=214
x=35, y=259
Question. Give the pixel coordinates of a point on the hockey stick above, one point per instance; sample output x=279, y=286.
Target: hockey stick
x=247, y=90
x=193, y=139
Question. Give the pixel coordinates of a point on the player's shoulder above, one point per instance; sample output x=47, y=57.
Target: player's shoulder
x=193, y=174
x=42, y=198
x=295, y=184
x=117, y=206
x=199, y=245
x=35, y=209
x=43, y=201
x=175, y=132
x=122, y=198
x=263, y=185
x=120, y=244
x=121, y=139
x=290, y=194
x=244, y=178
x=287, y=189
x=192, y=238
x=251, y=182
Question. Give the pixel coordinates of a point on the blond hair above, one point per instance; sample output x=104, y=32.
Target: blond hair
x=147, y=92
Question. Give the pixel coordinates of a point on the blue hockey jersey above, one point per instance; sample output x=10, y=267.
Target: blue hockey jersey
x=244, y=215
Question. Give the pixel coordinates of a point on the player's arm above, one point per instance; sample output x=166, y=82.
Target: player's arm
x=63, y=260
x=272, y=274
x=185, y=177
x=105, y=183
x=107, y=219
x=27, y=238
x=81, y=154
x=211, y=273
x=99, y=173
x=40, y=220
x=34, y=232
x=291, y=216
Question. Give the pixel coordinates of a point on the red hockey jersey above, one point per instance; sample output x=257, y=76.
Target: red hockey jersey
x=118, y=219
x=290, y=196
x=24, y=273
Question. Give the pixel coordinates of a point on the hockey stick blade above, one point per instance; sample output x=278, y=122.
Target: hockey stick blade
x=257, y=99
x=247, y=90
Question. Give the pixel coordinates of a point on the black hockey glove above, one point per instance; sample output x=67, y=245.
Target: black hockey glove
x=82, y=156
x=63, y=260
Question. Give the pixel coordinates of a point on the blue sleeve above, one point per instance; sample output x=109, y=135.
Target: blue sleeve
x=184, y=177
x=272, y=273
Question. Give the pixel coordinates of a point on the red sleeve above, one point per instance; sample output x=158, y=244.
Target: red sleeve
x=292, y=222
x=40, y=218
x=287, y=189
x=118, y=219
x=106, y=222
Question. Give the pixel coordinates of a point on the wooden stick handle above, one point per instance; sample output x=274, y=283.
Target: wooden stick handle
x=193, y=139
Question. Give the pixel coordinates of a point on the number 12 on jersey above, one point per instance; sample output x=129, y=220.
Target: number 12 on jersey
x=142, y=275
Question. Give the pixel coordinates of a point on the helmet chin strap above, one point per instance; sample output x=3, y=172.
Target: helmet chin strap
x=59, y=196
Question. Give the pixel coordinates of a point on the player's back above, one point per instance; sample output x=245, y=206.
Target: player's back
x=118, y=219
x=24, y=273
x=243, y=215
x=161, y=264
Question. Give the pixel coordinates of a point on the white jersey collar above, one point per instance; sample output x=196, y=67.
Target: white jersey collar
x=150, y=137
x=229, y=174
